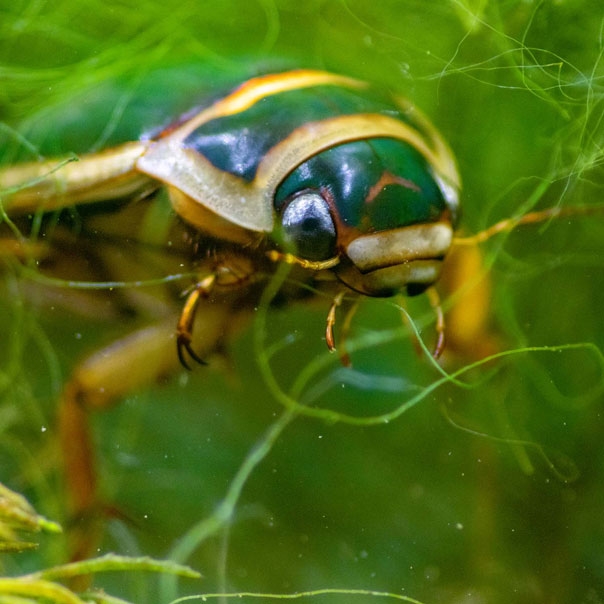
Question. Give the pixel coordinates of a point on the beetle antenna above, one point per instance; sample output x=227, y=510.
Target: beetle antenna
x=509, y=224
x=315, y=265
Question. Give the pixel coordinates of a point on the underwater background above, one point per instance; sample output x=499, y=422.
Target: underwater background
x=276, y=469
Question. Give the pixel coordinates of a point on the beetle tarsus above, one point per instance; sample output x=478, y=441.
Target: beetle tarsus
x=183, y=345
x=184, y=329
x=331, y=321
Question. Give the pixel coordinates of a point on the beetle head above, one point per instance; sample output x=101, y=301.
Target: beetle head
x=375, y=205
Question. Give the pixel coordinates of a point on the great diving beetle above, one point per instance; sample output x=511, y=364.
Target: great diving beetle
x=349, y=183
x=322, y=170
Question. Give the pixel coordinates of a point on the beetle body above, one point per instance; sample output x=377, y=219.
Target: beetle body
x=351, y=184
x=313, y=164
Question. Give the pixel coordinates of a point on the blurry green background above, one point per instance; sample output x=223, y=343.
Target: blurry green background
x=445, y=503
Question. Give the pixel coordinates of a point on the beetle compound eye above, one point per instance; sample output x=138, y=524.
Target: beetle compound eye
x=308, y=227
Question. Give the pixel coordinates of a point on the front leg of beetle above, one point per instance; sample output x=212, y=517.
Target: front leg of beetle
x=184, y=329
x=234, y=274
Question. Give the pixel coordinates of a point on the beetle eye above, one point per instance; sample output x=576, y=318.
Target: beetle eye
x=308, y=227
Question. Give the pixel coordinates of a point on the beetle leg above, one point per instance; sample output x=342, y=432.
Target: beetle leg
x=22, y=249
x=139, y=359
x=469, y=332
x=184, y=328
x=228, y=274
x=344, y=356
x=98, y=382
x=55, y=184
x=434, y=300
x=331, y=321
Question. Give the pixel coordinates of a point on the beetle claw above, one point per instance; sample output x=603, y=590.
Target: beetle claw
x=183, y=345
x=182, y=359
x=185, y=323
